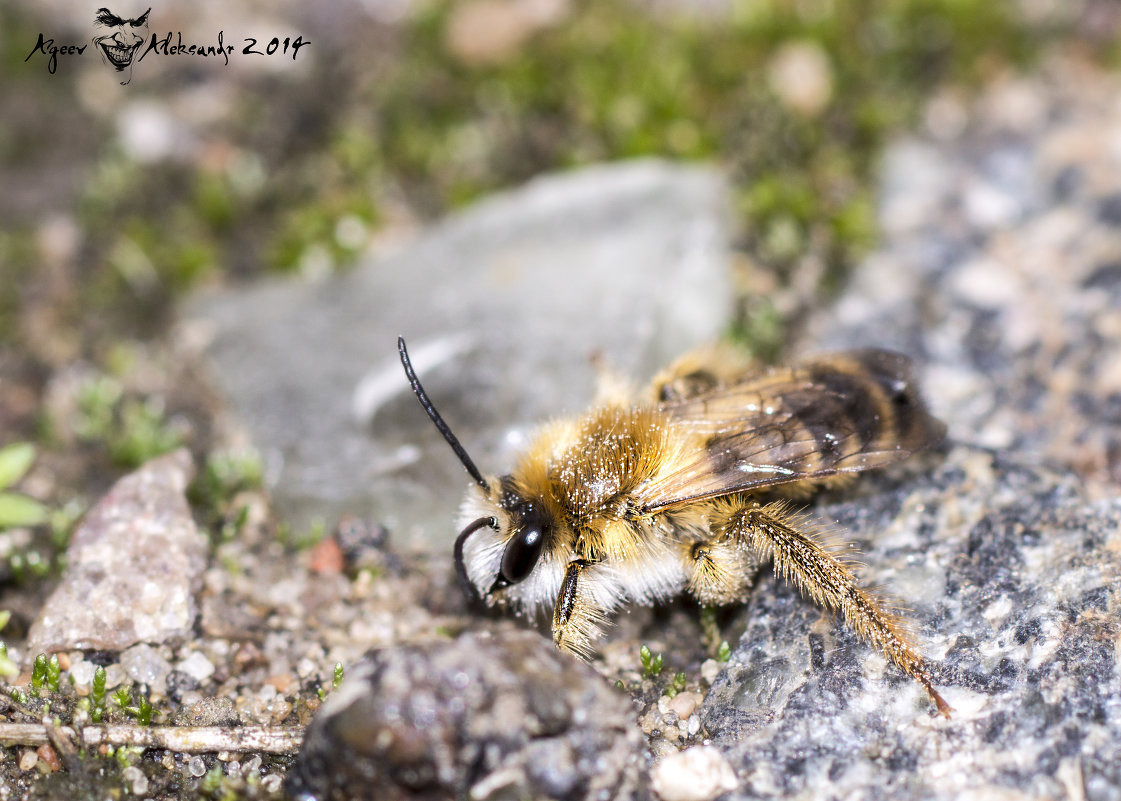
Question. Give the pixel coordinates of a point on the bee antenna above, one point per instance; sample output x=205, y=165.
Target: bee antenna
x=435, y=417
x=460, y=565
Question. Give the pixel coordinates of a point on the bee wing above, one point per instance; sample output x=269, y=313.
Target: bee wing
x=838, y=414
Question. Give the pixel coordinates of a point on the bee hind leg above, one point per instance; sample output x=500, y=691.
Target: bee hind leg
x=774, y=530
x=577, y=621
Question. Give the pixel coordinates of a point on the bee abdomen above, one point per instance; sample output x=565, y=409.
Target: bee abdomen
x=871, y=403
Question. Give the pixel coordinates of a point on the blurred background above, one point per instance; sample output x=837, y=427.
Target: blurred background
x=120, y=200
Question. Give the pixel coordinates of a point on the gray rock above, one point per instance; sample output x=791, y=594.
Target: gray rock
x=133, y=567
x=503, y=307
x=1012, y=579
x=488, y=716
x=996, y=274
x=1001, y=271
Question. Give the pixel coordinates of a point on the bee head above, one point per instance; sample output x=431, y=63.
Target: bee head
x=502, y=540
x=518, y=524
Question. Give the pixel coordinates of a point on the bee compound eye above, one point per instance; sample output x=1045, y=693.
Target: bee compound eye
x=522, y=554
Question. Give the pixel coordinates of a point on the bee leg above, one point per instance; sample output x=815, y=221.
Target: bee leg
x=698, y=371
x=612, y=388
x=787, y=536
x=721, y=571
x=576, y=620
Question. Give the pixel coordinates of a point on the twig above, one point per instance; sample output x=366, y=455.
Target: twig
x=182, y=739
x=63, y=744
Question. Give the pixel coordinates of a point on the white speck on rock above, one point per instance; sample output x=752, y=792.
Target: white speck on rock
x=697, y=774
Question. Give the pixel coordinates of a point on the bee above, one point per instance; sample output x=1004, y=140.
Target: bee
x=688, y=489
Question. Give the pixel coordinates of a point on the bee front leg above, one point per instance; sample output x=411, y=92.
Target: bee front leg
x=577, y=621
x=788, y=537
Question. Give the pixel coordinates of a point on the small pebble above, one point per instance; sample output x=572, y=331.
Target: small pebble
x=130, y=566
x=48, y=759
x=801, y=76
x=271, y=783
x=114, y=676
x=326, y=558
x=197, y=766
x=137, y=778
x=144, y=664
x=710, y=669
x=82, y=674
x=197, y=666
x=281, y=683
x=27, y=759
x=683, y=704
x=697, y=774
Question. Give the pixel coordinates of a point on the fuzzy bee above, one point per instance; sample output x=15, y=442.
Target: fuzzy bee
x=688, y=490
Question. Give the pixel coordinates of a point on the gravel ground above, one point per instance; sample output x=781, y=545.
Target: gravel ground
x=999, y=273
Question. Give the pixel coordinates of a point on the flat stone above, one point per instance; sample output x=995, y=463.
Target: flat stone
x=133, y=567
x=492, y=715
x=503, y=307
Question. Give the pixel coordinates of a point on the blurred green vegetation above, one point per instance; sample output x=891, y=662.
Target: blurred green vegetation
x=304, y=183
x=612, y=83
x=17, y=509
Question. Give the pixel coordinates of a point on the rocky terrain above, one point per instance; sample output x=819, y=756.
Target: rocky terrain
x=227, y=627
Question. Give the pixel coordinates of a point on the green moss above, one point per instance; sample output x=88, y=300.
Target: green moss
x=131, y=429
x=144, y=433
x=651, y=662
x=17, y=509
x=8, y=669
x=54, y=673
x=18, y=257
x=97, y=695
x=677, y=685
